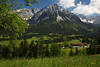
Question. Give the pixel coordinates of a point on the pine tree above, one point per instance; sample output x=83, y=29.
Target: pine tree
x=47, y=52
x=71, y=53
x=76, y=51
x=31, y=49
x=24, y=48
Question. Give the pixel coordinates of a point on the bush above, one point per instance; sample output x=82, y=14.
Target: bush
x=55, y=50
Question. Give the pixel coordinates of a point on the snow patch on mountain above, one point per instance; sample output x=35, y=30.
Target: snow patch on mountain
x=59, y=18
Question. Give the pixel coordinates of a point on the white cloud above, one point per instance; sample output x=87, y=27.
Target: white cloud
x=67, y=3
x=92, y=8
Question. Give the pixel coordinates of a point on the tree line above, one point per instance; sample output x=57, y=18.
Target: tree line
x=34, y=49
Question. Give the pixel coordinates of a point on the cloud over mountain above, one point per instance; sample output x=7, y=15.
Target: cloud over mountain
x=89, y=9
x=67, y=3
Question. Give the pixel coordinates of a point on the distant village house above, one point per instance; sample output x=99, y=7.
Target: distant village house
x=79, y=45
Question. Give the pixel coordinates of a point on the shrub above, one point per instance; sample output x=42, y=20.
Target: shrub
x=71, y=53
x=55, y=50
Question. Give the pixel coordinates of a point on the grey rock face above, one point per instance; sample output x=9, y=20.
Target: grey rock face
x=35, y=10
x=50, y=13
x=97, y=20
x=26, y=14
x=53, y=13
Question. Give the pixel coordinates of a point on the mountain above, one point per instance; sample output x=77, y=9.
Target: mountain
x=85, y=19
x=26, y=14
x=54, y=19
x=35, y=10
x=54, y=12
x=97, y=20
x=90, y=19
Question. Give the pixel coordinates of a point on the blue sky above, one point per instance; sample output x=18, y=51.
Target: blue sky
x=86, y=7
x=85, y=2
x=43, y=3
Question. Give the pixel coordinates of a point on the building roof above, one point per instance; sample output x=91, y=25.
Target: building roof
x=79, y=44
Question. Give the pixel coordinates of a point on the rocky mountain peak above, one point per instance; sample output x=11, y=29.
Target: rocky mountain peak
x=35, y=10
x=25, y=13
x=53, y=8
x=49, y=13
x=53, y=13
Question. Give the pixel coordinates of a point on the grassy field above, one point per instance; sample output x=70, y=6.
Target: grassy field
x=43, y=37
x=76, y=61
x=6, y=42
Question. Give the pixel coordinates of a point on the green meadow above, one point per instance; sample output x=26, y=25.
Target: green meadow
x=75, y=61
x=60, y=61
x=45, y=37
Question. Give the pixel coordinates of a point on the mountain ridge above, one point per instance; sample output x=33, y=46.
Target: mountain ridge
x=54, y=19
x=53, y=12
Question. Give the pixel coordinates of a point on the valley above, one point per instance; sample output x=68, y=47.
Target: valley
x=48, y=37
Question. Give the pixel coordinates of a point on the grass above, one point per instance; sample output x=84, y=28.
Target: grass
x=75, y=41
x=6, y=42
x=75, y=61
x=74, y=35
x=44, y=37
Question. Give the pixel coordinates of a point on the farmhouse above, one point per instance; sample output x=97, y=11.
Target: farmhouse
x=78, y=45
x=62, y=46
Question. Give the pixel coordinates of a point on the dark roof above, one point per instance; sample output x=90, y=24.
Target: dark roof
x=78, y=44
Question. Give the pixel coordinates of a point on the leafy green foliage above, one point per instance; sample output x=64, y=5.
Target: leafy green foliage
x=10, y=24
x=30, y=2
